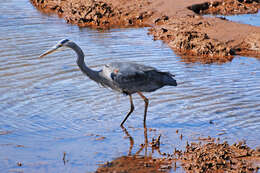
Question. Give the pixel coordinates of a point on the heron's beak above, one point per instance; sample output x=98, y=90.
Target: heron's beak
x=49, y=51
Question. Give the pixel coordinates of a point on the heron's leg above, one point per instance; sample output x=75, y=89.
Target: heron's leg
x=146, y=101
x=131, y=109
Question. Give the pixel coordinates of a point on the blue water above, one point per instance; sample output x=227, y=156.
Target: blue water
x=251, y=19
x=48, y=107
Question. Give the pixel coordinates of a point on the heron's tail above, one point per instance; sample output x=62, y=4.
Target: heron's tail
x=172, y=82
x=168, y=79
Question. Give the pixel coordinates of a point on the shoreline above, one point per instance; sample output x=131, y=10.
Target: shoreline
x=178, y=24
x=206, y=155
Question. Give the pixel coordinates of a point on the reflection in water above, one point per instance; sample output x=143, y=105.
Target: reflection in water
x=131, y=140
x=136, y=162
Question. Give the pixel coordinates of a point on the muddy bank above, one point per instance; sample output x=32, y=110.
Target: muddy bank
x=226, y=7
x=207, y=155
x=211, y=156
x=177, y=23
x=97, y=14
x=187, y=38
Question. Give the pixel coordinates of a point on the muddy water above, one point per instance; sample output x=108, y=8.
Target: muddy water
x=48, y=107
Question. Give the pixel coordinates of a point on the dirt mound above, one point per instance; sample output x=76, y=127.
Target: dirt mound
x=208, y=157
x=95, y=14
x=214, y=157
x=227, y=7
x=187, y=38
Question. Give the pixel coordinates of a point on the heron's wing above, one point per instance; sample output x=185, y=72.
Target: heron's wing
x=124, y=77
x=131, y=76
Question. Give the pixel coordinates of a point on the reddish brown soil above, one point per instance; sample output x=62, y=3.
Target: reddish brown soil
x=177, y=23
x=97, y=14
x=209, y=157
x=220, y=157
x=227, y=7
x=186, y=37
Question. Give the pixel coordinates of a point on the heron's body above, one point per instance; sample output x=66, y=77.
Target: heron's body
x=130, y=78
x=124, y=77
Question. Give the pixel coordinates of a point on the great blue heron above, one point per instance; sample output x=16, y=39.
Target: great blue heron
x=125, y=77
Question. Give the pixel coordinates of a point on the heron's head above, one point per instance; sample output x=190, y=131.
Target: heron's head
x=60, y=44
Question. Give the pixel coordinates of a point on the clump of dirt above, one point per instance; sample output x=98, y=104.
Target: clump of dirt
x=95, y=14
x=188, y=39
x=250, y=46
x=220, y=157
x=227, y=7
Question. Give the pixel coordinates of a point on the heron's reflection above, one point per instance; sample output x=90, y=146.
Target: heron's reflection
x=131, y=139
x=134, y=162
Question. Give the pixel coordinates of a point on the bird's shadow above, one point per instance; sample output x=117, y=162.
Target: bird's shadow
x=133, y=162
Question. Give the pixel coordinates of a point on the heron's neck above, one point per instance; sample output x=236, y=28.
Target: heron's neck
x=92, y=74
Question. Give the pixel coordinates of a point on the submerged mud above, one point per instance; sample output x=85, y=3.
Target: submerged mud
x=177, y=23
x=134, y=164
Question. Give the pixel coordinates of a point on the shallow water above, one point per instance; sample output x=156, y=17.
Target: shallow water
x=48, y=107
x=251, y=19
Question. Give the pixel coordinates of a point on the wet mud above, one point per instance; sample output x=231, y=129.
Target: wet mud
x=97, y=14
x=187, y=39
x=227, y=7
x=207, y=155
x=220, y=157
x=180, y=24
x=133, y=164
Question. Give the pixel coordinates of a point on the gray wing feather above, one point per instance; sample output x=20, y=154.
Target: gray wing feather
x=130, y=77
x=133, y=77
